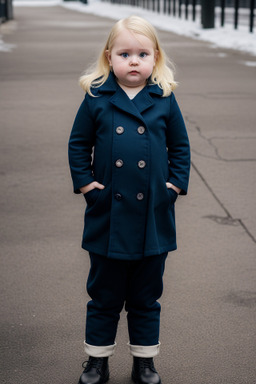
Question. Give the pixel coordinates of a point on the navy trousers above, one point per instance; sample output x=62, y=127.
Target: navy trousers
x=114, y=283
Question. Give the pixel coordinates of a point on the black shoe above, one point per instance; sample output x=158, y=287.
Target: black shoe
x=96, y=371
x=144, y=372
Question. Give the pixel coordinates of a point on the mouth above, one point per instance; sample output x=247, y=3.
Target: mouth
x=133, y=72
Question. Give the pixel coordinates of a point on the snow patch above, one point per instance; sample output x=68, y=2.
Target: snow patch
x=6, y=47
x=250, y=63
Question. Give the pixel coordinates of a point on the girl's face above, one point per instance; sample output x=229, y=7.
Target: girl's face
x=132, y=58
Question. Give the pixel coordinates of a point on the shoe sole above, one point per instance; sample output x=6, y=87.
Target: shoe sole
x=137, y=382
x=102, y=382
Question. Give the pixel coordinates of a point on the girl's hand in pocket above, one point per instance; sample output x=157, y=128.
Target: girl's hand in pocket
x=170, y=185
x=89, y=187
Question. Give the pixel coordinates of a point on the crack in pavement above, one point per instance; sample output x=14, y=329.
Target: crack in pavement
x=224, y=220
x=213, y=147
x=228, y=219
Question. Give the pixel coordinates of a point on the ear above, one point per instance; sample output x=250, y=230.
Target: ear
x=108, y=56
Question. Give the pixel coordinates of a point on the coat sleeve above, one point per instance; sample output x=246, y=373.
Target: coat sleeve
x=178, y=148
x=80, y=147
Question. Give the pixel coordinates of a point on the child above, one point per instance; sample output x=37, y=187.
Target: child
x=129, y=156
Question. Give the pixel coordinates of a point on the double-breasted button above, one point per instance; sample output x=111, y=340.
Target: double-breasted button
x=118, y=196
x=142, y=164
x=140, y=196
x=119, y=130
x=119, y=163
x=141, y=130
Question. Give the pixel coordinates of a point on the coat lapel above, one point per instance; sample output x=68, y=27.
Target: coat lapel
x=138, y=105
x=143, y=100
x=122, y=101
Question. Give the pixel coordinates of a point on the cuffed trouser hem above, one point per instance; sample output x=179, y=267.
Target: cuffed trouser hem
x=95, y=351
x=144, y=350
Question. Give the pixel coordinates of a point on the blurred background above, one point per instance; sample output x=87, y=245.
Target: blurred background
x=209, y=301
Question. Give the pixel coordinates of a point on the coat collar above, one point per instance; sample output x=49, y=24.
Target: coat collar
x=141, y=102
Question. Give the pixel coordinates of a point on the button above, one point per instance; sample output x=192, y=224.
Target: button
x=119, y=163
x=140, y=196
x=141, y=130
x=119, y=130
x=118, y=196
x=142, y=164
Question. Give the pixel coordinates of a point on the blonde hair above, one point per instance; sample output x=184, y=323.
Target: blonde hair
x=163, y=72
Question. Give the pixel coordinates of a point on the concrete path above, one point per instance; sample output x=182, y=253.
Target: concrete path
x=208, y=315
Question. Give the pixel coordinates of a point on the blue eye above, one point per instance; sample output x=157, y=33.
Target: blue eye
x=143, y=54
x=125, y=55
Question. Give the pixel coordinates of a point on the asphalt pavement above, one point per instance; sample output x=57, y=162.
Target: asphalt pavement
x=208, y=307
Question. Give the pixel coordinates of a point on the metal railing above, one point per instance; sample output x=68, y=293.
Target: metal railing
x=206, y=10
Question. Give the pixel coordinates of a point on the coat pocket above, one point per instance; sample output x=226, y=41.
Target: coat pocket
x=92, y=196
x=173, y=195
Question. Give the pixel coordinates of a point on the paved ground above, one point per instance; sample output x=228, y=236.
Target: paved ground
x=208, y=316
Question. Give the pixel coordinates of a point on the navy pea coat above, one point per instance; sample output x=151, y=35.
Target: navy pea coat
x=132, y=147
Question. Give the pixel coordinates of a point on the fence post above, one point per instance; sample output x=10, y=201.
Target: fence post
x=9, y=10
x=186, y=8
x=2, y=12
x=180, y=8
x=174, y=8
x=194, y=10
x=6, y=10
x=252, y=5
x=236, y=14
x=207, y=13
x=165, y=6
x=158, y=6
x=222, y=18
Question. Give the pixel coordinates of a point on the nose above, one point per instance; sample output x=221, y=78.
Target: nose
x=134, y=60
